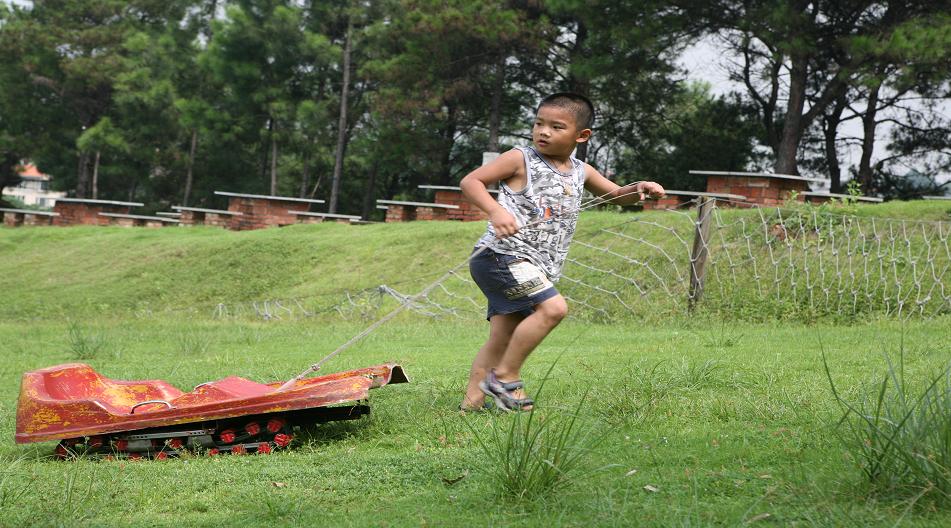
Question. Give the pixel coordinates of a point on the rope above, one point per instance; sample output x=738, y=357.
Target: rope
x=593, y=202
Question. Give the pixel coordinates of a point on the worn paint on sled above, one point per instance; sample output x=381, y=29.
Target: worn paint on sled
x=74, y=401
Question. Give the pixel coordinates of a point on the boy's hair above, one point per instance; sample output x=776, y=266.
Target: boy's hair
x=579, y=106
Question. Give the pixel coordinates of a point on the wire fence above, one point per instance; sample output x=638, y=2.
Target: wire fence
x=798, y=263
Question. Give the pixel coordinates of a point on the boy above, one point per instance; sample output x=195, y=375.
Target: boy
x=540, y=190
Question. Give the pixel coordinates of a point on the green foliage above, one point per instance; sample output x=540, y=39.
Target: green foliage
x=702, y=132
x=899, y=431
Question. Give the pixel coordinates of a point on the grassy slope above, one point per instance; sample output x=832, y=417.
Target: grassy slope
x=728, y=420
x=61, y=272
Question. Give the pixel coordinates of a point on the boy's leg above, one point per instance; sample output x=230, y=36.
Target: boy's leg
x=527, y=335
x=501, y=327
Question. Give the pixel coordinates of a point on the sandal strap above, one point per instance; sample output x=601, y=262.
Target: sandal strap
x=524, y=401
x=512, y=385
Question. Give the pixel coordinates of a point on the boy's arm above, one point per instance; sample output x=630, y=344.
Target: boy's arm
x=626, y=195
x=509, y=167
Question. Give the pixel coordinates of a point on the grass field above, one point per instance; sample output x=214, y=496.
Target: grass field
x=699, y=421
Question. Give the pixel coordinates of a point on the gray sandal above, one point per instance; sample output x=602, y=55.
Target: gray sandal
x=501, y=392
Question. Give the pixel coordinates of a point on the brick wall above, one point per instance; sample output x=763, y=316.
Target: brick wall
x=37, y=220
x=73, y=213
x=218, y=220
x=758, y=190
x=400, y=213
x=258, y=213
x=467, y=212
x=432, y=213
x=304, y=219
x=12, y=219
x=192, y=218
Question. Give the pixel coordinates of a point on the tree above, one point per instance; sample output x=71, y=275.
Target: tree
x=703, y=131
x=71, y=53
x=433, y=65
x=103, y=137
x=267, y=62
x=622, y=55
x=905, y=80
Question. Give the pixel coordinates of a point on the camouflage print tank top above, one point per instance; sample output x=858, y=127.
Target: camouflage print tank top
x=550, y=203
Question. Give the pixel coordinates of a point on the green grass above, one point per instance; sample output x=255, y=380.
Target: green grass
x=699, y=421
x=725, y=430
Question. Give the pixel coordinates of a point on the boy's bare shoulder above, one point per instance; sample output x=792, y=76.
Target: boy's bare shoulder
x=513, y=163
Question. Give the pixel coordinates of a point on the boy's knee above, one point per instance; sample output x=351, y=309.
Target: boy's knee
x=555, y=309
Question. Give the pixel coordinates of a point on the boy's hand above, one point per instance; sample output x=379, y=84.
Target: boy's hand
x=503, y=223
x=649, y=189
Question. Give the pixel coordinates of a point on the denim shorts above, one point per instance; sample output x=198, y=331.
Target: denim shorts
x=510, y=284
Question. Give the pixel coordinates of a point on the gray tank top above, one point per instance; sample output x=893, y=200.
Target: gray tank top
x=552, y=199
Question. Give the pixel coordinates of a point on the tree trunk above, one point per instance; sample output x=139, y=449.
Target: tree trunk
x=865, y=174
x=579, y=85
x=8, y=173
x=341, y=122
x=273, y=160
x=370, y=193
x=305, y=174
x=792, y=124
x=189, y=173
x=495, y=115
x=82, y=174
x=95, y=177
x=830, y=129
x=313, y=192
x=265, y=150
x=449, y=137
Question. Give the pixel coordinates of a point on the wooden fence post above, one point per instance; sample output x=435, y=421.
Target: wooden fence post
x=700, y=250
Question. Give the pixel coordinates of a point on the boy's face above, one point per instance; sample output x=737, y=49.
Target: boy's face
x=556, y=132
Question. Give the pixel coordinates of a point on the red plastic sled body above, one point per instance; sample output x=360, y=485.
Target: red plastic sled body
x=73, y=400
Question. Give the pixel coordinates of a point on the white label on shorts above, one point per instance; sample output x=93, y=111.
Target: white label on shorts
x=529, y=278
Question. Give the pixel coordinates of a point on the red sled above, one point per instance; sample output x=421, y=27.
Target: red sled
x=92, y=414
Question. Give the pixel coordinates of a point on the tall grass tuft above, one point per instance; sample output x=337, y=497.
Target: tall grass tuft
x=901, y=437
x=83, y=346
x=533, y=454
x=192, y=344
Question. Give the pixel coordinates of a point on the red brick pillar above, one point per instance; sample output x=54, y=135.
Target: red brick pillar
x=400, y=213
x=37, y=219
x=191, y=218
x=70, y=213
x=219, y=220
x=11, y=219
x=431, y=213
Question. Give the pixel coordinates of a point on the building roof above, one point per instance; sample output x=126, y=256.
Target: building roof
x=29, y=171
